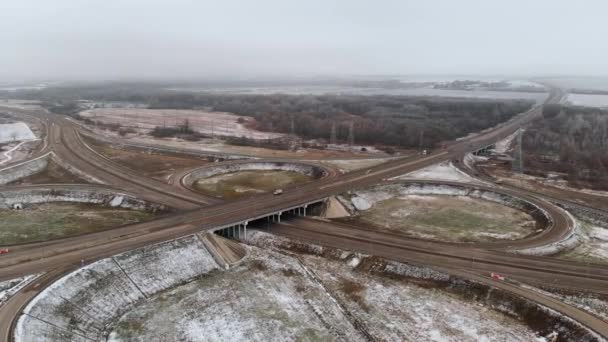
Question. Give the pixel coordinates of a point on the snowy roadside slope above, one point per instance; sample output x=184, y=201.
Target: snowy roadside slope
x=158, y=267
x=32, y=329
x=443, y=171
x=80, y=306
x=84, y=301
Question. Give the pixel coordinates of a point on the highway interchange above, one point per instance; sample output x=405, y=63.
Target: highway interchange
x=194, y=212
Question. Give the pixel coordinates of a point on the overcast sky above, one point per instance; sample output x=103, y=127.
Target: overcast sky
x=119, y=39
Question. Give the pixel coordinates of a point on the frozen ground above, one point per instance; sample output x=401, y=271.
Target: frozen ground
x=216, y=123
x=17, y=131
x=279, y=297
x=268, y=297
x=81, y=305
x=442, y=171
x=588, y=100
x=396, y=309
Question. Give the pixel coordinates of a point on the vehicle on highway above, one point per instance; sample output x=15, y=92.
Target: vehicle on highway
x=497, y=276
x=4, y=251
x=277, y=192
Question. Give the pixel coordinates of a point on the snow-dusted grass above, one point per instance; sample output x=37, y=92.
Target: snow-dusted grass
x=17, y=131
x=396, y=310
x=593, y=245
x=277, y=297
x=157, y=267
x=268, y=297
x=85, y=300
x=442, y=212
x=442, y=171
x=83, y=303
x=393, y=308
x=216, y=123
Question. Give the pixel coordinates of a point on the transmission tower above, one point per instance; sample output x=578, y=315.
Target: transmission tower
x=351, y=133
x=421, y=142
x=332, y=134
x=518, y=158
x=292, y=130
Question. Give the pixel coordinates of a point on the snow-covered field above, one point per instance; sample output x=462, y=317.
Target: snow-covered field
x=285, y=297
x=395, y=309
x=588, y=100
x=216, y=123
x=442, y=171
x=268, y=297
x=80, y=305
x=17, y=131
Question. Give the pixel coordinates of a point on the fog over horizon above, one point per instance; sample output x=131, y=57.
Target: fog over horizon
x=137, y=39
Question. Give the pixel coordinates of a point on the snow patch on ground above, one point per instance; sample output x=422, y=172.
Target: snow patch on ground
x=9, y=287
x=206, y=122
x=17, y=131
x=366, y=199
x=504, y=145
x=442, y=171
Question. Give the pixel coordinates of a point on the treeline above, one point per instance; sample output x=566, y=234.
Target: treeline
x=377, y=120
x=570, y=140
x=386, y=120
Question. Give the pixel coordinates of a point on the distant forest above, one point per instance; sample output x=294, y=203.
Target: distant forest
x=378, y=120
x=386, y=120
x=570, y=140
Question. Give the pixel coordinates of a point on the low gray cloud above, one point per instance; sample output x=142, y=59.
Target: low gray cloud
x=201, y=39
